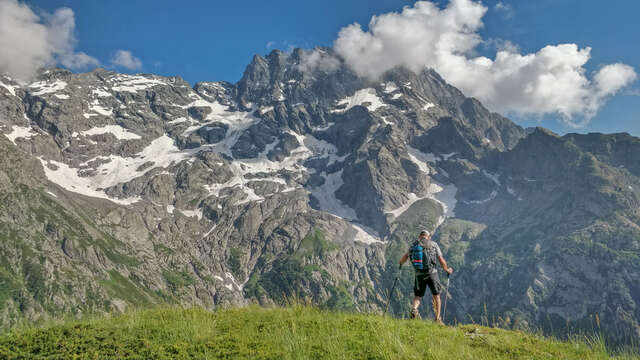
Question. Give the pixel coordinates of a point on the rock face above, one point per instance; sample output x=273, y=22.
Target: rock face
x=299, y=182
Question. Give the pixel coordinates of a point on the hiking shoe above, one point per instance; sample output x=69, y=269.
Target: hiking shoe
x=414, y=314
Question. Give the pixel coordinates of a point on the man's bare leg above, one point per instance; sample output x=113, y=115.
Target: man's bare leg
x=436, y=307
x=415, y=305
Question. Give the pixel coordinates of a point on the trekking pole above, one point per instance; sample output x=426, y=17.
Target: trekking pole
x=446, y=295
x=391, y=292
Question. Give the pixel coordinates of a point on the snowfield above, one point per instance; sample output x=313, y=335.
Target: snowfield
x=326, y=196
x=162, y=152
x=133, y=83
x=24, y=132
x=68, y=178
x=44, y=87
x=361, y=97
x=118, y=131
x=97, y=108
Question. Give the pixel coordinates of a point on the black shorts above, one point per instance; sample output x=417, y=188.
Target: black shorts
x=426, y=279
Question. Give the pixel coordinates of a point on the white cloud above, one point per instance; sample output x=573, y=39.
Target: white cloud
x=318, y=60
x=283, y=45
x=29, y=41
x=506, y=9
x=126, y=59
x=552, y=80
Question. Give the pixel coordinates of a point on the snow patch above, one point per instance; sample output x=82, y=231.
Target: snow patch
x=97, y=108
x=320, y=149
x=362, y=96
x=62, y=96
x=390, y=87
x=399, y=211
x=421, y=159
x=492, y=196
x=232, y=282
x=365, y=235
x=396, y=96
x=118, y=131
x=310, y=147
x=427, y=106
x=100, y=93
x=177, y=121
x=47, y=88
x=68, y=179
x=251, y=196
x=238, y=121
x=52, y=194
x=214, y=189
x=24, y=132
x=266, y=110
x=10, y=88
x=326, y=196
x=162, y=152
x=135, y=83
x=445, y=195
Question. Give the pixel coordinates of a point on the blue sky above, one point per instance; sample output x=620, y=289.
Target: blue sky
x=215, y=40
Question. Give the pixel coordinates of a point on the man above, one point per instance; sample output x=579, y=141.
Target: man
x=423, y=254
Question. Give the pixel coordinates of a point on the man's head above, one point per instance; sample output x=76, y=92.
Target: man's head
x=425, y=235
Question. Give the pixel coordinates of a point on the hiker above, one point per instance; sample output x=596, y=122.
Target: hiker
x=423, y=254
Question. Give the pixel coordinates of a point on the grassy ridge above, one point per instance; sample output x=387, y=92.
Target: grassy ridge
x=284, y=333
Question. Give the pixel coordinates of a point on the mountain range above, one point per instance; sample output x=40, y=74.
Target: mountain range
x=307, y=182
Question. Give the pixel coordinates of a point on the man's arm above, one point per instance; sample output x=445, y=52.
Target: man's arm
x=404, y=258
x=444, y=265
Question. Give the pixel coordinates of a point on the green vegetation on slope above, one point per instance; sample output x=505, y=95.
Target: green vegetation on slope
x=296, y=333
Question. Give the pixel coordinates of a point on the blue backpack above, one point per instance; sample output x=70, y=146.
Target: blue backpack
x=418, y=258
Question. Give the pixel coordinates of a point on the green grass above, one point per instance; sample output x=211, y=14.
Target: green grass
x=296, y=332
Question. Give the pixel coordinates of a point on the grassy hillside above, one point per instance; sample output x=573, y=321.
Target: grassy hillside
x=289, y=333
